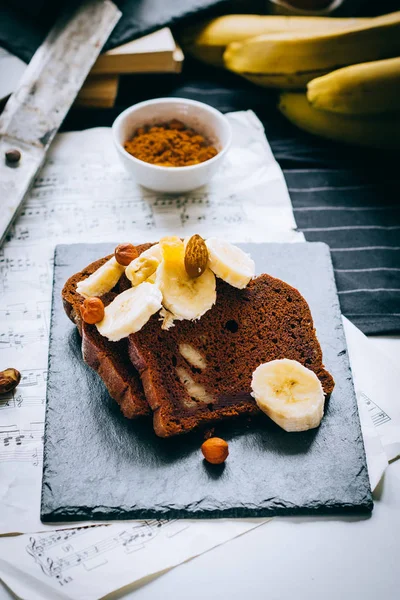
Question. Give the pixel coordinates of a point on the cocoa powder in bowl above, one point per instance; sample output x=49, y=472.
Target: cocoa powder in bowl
x=170, y=144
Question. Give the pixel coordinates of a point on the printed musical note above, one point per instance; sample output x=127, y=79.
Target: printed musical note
x=64, y=556
x=19, y=339
x=378, y=416
x=30, y=393
x=33, y=377
x=12, y=435
x=22, y=444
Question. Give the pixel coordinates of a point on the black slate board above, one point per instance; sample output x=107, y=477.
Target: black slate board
x=99, y=465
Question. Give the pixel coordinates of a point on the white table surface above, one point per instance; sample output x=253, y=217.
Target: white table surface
x=298, y=558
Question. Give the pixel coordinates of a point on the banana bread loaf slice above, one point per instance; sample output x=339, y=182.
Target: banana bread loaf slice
x=200, y=371
x=109, y=359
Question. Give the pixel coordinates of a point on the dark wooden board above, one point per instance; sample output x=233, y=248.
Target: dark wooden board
x=99, y=465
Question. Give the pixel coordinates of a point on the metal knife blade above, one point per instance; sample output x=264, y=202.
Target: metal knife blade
x=44, y=95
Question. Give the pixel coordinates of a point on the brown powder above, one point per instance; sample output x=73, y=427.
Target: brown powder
x=170, y=144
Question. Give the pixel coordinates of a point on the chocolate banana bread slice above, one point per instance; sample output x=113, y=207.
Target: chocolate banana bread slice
x=200, y=371
x=109, y=359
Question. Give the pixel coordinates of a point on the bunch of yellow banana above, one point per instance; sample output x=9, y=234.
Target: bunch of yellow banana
x=288, y=52
x=208, y=41
x=292, y=59
x=358, y=103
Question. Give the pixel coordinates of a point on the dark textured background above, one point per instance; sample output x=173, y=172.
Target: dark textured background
x=97, y=464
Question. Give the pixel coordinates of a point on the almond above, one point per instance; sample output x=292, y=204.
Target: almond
x=9, y=379
x=215, y=450
x=92, y=310
x=196, y=256
x=125, y=254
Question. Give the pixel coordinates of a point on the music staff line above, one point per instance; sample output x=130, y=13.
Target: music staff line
x=144, y=211
x=378, y=416
x=129, y=540
x=12, y=435
x=22, y=444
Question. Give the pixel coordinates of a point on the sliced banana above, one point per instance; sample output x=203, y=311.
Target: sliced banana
x=230, y=263
x=143, y=269
x=184, y=297
x=130, y=311
x=102, y=280
x=167, y=319
x=289, y=393
x=144, y=265
x=152, y=278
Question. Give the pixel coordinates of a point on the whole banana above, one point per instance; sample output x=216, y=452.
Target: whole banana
x=292, y=59
x=375, y=131
x=367, y=88
x=283, y=81
x=208, y=41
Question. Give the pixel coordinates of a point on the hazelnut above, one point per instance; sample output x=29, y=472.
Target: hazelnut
x=125, y=254
x=92, y=310
x=215, y=450
x=9, y=379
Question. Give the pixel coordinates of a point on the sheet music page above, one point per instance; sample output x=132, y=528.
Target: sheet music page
x=377, y=384
x=83, y=194
x=88, y=564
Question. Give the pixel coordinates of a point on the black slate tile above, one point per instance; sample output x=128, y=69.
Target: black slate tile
x=97, y=464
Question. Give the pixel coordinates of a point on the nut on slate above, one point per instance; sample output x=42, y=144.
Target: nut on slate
x=9, y=379
x=92, y=310
x=196, y=256
x=215, y=450
x=125, y=254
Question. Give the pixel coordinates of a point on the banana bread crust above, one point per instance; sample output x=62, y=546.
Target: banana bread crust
x=109, y=359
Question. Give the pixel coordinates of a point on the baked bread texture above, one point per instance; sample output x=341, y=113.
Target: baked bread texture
x=200, y=372
x=109, y=359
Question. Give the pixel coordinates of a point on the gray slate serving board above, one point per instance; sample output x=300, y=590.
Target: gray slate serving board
x=99, y=465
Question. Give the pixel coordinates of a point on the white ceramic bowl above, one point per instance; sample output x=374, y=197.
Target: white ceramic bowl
x=203, y=118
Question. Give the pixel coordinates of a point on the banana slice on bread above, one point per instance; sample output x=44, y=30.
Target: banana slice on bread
x=162, y=279
x=144, y=266
x=289, y=393
x=184, y=297
x=102, y=280
x=130, y=311
x=230, y=263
